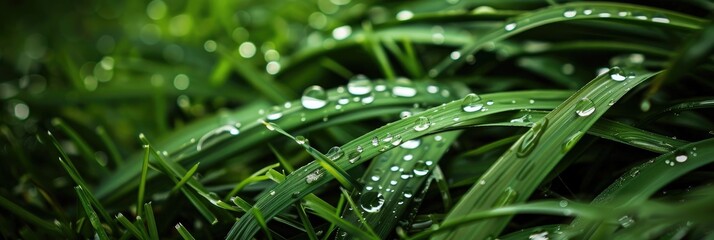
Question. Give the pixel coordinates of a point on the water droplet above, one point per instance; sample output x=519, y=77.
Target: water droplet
x=408, y=157
x=394, y=168
x=489, y=102
x=404, y=88
x=680, y=156
x=301, y=140
x=375, y=178
x=375, y=141
x=510, y=26
x=397, y=140
x=216, y=135
x=354, y=156
x=387, y=138
x=645, y=105
x=421, y=124
x=660, y=18
x=407, y=195
x=371, y=202
x=411, y=144
x=405, y=114
x=359, y=85
x=421, y=168
x=539, y=236
x=530, y=138
x=343, y=101
x=569, y=13
x=471, y=103
x=335, y=153
x=404, y=15
x=393, y=182
x=507, y=197
x=455, y=55
x=626, y=221
x=314, y=97
x=588, y=11
x=314, y=176
x=617, y=74
x=572, y=140
x=275, y=114
x=359, y=149
x=584, y=107
x=368, y=99
x=432, y=89
x=563, y=203
x=342, y=32
x=272, y=192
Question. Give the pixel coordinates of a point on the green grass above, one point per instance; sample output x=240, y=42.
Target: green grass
x=339, y=119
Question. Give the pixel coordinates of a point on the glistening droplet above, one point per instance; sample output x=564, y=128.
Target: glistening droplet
x=471, y=103
x=314, y=97
x=585, y=107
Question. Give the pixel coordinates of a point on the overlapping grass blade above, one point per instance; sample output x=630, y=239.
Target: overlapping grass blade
x=91, y=214
x=521, y=169
x=308, y=178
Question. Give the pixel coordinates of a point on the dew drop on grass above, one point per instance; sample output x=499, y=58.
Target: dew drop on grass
x=335, y=153
x=530, y=138
x=359, y=85
x=301, y=140
x=455, y=55
x=645, y=105
x=680, y=156
x=421, y=124
x=275, y=114
x=626, y=221
x=407, y=195
x=405, y=114
x=585, y=107
x=510, y=26
x=572, y=140
x=371, y=202
x=375, y=178
x=314, y=97
x=563, y=203
x=394, y=168
x=617, y=74
x=507, y=197
x=314, y=176
x=368, y=98
x=411, y=144
x=421, y=168
x=471, y=103
x=660, y=18
x=397, y=140
x=432, y=89
x=353, y=156
x=387, y=138
x=408, y=157
x=216, y=135
x=375, y=141
x=569, y=13
x=404, y=88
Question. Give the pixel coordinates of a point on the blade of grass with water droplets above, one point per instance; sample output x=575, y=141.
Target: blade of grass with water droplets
x=396, y=177
x=517, y=173
x=185, y=234
x=91, y=214
x=308, y=178
x=181, y=146
x=571, y=12
x=130, y=227
x=641, y=182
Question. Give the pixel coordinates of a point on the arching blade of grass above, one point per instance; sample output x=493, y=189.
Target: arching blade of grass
x=308, y=178
x=641, y=182
x=517, y=173
x=394, y=179
x=678, y=107
x=604, y=128
x=185, y=234
x=130, y=227
x=213, y=139
x=571, y=12
x=541, y=207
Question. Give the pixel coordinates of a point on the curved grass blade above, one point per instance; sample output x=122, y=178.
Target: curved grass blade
x=641, y=182
x=571, y=12
x=185, y=178
x=517, y=173
x=219, y=132
x=19, y=211
x=185, y=234
x=142, y=181
x=130, y=227
x=308, y=178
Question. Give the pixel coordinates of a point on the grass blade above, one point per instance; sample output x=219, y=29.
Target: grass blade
x=185, y=234
x=89, y=211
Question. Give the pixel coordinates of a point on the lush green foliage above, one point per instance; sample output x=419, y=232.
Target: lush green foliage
x=455, y=119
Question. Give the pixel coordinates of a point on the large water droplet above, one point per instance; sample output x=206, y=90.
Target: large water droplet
x=530, y=139
x=404, y=88
x=411, y=144
x=397, y=140
x=617, y=74
x=421, y=124
x=314, y=97
x=660, y=18
x=471, y=103
x=371, y=202
x=335, y=153
x=405, y=114
x=421, y=168
x=216, y=135
x=680, y=156
x=359, y=85
x=584, y=107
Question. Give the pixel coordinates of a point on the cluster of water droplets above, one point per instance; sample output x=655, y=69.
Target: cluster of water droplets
x=586, y=12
